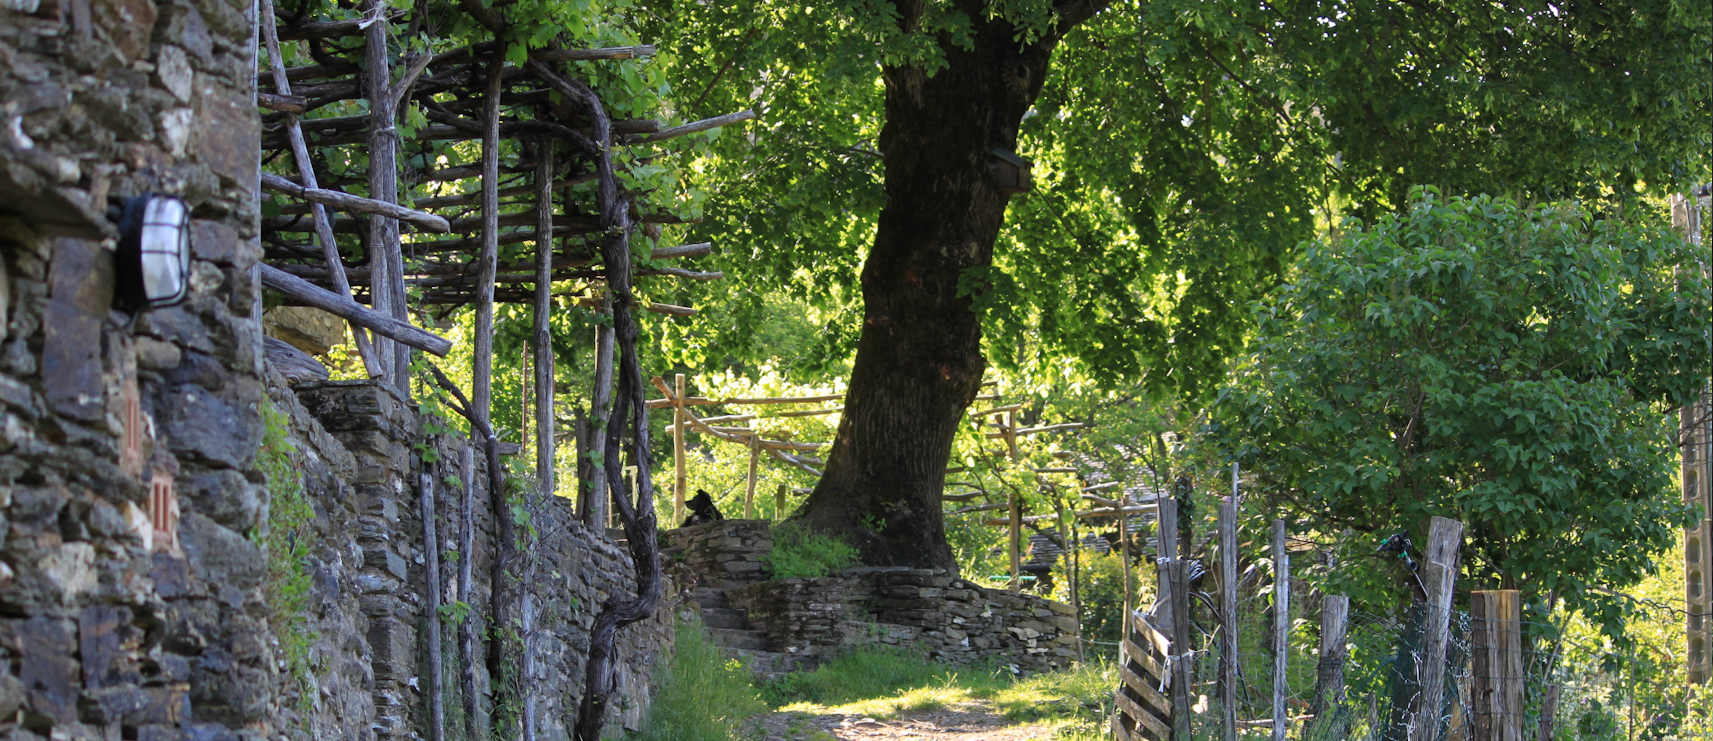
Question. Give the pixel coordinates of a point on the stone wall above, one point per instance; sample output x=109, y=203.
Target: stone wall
x=106, y=629
x=112, y=628
x=936, y=613
x=369, y=588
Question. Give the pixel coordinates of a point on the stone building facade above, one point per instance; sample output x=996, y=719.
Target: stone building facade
x=132, y=575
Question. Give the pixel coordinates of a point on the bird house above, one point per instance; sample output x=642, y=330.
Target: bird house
x=1009, y=172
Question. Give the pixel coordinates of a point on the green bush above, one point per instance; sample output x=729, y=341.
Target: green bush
x=1102, y=589
x=799, y=553
x=704, y=696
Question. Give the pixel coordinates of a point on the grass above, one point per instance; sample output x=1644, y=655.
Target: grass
x=704, y=696
x=1075, y=703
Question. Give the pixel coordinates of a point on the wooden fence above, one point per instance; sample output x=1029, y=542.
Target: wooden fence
x=1144, y=711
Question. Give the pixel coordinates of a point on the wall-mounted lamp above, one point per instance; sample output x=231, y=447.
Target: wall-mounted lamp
x=153, y=257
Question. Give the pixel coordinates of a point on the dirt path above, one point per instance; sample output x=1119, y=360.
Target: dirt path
x=966, y=723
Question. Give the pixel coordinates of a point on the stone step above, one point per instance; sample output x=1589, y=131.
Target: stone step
x=710, y=597
x=729, y=638
x=724, y=617
x=769, y=665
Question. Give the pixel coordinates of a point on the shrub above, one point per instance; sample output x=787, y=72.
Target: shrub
x=799, y=553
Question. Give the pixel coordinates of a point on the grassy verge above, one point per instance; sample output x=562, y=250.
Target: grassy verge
x=1075, y=703
x=704, y=695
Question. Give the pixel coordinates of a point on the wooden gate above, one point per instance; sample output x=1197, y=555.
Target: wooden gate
x=1144, y=710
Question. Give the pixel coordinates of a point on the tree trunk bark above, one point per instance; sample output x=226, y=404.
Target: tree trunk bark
x=919, y=361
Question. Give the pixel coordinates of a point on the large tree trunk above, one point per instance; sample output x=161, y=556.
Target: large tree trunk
x=919, y=360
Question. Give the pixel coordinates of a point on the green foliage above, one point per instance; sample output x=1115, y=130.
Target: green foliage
x=1503, y=366
x=703, y=695
x=799, y=553
x=1102, y=588
x=1182, y=150
x=285, y=538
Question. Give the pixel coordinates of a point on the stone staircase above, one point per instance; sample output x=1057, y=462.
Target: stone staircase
x=716, y=558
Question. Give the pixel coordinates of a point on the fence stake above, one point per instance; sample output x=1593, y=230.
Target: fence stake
x=1438, y=573
x=1496, y=622
x=1174, y=615
x=779, y=503
x=1281, y=627
x=1329, y=671
x=1228, y=612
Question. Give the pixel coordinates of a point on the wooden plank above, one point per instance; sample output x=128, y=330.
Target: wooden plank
x=1146, y=687
x=1143, y=717
x=1438, y=573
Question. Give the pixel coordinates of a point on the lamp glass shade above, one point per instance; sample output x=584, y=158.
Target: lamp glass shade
x=165, y=250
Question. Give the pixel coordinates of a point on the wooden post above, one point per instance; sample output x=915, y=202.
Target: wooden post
x=431, y=574
x=1497, y=645
x=544, y=442
x=749, y=490
x=779, y=503
x=1695, y=436
x=1329, y=670
x=1123, y=550
x=1010, y=433
x=386, y=261
x=1228, y=612
x=466, y=593
x=1281, y=627
x=1174, y=598
x=600, y=415
x=1016, y=536
x=1438, y=573
x=679, y=475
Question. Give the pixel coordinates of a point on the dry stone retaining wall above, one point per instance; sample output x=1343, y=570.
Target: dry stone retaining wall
x=948, y=618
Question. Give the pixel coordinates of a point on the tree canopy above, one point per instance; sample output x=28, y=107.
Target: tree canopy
x=1182, y=150
x=1474, y=359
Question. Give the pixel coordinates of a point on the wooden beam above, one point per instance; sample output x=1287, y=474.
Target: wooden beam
x=691, y=128
x=282, y=103
x=310, y=294
x=347, y=202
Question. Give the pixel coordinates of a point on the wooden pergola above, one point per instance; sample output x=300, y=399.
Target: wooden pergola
x=415, y=230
